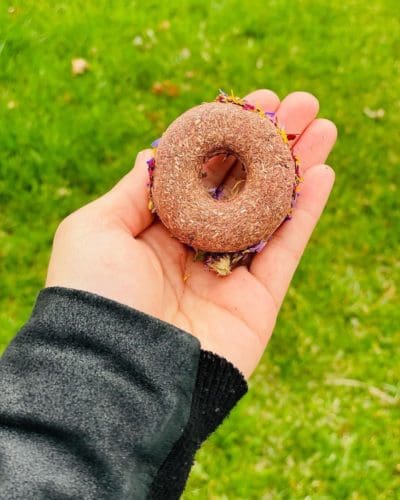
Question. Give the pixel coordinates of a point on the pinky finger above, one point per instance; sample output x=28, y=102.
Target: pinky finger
x=276, y=264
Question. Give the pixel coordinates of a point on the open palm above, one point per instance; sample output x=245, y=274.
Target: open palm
x=113, y=248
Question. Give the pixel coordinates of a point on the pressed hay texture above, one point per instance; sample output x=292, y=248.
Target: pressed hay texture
x=185, y=207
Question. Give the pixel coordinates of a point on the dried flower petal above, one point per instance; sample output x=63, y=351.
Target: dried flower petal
x=221, y=265
x=257, y=248
x=199, y=256
x=216, y=192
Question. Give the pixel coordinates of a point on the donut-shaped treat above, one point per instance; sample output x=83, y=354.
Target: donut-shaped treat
x=183, y=203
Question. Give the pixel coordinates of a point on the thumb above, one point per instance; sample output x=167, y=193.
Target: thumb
x=129, y=198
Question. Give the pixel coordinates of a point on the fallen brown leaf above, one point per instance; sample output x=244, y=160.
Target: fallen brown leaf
x=79, y=66
x=374, y=114
x=165, y=88
x=164, y=25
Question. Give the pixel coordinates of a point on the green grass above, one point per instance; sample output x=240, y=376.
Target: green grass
x=305, y=430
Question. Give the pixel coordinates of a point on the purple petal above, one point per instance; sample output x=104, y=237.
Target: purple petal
x=216, y=192
x=248, y=106
x=155, y=143
x=258, y=247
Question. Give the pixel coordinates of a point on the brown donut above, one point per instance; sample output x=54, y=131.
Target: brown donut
x=182, y=202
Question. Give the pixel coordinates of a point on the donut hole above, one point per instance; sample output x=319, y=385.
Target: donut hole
x=223, y=175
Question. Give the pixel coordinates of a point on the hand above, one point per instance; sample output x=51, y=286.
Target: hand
x=111, y=247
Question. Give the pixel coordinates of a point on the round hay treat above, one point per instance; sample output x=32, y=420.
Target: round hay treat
x=183, y=203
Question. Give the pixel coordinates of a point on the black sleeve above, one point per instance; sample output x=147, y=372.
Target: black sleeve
x=100, y=401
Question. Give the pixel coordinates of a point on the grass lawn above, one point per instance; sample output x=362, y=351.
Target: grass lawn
x=322, y=418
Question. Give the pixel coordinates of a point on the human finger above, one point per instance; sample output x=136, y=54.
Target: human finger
x=265, y=99
x=128, y=200
x=276, y=264
x=216, y=169
x=296, y=112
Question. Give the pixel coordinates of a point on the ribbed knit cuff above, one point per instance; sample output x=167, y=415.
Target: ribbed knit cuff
x=219, y=386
